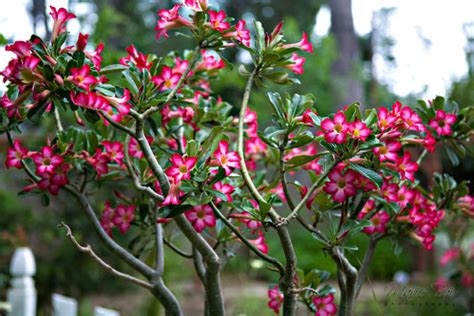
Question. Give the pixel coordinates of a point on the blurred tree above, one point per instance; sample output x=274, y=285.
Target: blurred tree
x=345, y=68
x=37, y=10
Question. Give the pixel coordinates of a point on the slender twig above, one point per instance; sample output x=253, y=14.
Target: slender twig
x=240, y=149
x=244, y=240
x=88, y=250
x=311, y=190
x=57, y=118
x=119, y=126
x=369, y=254
x=422, y=156
x=176, y=249
x=192, y=62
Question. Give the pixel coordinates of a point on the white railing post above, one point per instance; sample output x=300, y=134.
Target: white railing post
x=64, y=306
x=100, y=311
x=22, y=294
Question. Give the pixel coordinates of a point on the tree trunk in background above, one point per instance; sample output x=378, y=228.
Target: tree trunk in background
x=39, y=14
x=349, y=86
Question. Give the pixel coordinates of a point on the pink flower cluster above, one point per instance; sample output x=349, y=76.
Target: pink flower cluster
x=112, y=152
x=120, y=217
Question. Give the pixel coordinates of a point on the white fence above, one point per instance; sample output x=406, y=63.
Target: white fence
x=21, y=297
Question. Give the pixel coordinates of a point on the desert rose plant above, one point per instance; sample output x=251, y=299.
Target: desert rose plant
x=151, y=130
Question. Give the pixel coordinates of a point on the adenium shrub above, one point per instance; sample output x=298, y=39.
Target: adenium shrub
x=195, y=171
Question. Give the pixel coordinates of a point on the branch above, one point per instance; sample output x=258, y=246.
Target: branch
x=136, y=181
x=160, y=255
x=150, y=158
x=173, y=92
x=213, y=262
x=121, y=252
x=88, y=250
x=236, y=231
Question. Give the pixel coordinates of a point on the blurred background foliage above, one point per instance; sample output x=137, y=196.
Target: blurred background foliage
x=122, y=22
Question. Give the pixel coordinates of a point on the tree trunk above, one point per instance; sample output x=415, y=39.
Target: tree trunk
x=344, y=70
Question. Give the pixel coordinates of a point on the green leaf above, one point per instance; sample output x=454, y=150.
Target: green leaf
x=131, y=83
x=112, y=69
x=218, y=194
x=368, y=173
x=174, y=210
x=35, y=113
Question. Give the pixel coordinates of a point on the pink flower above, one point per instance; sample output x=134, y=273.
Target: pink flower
x=406, y=167
x=255, y=146
x=123, y=216
x=240, y=34
x=403, y=196
x=388, y=151
x=297, y=64
x=167, y=79
x=181, y=167
x=216, y=19
x=467, y=280
x=442, y=123
x=209, y=62
x=106, y=218
x=20, y=48
x=52, y=182
x=90, y=101
x=379, y=223
x=120, y=104
x=386, y=120
x=95, y=56
x=81, y=42
x=201, y=216
x=410, y=120
x=81, y=77
x=276, y=299
x=358, y=130
x=136, y=58
x=341, y=186
x=13, y=109
x=429, y=142
x=169, y=20
x=304, y=44
x=60, y=18
x=335, y=130
x=224, y=158
x=196, y=5
x=174, y=193
x=114, y=150
x=15, y=155
x=46, y=161
x=226, y=189
x=246, y=218
x=278, y=190
x=99, y=161
x=134, y=149
x=259, y=243
x=440, y=284
x=325, y=305
x=450, y=255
